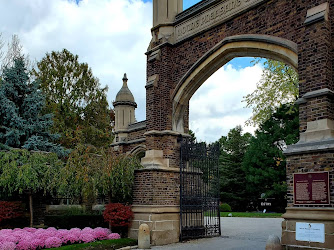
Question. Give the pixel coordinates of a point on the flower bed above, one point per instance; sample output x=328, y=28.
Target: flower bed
x=32, y=238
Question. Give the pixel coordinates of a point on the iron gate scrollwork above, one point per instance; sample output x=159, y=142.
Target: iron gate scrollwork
x=199, y=190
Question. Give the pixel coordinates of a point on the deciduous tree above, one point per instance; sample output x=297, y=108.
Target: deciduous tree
x=90, y=171
x=74, y=96
x=28, y=172
x=278, y=85
x=12, y=51
x=116, y=176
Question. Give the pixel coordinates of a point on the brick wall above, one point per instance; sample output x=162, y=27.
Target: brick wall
x=283, y=19
x=156, y=188
x=310, y=163
x=169, y=144
x=138, y=134
x=280, y=18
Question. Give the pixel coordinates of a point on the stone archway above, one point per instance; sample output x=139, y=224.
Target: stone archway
x=139, y=151
x=236, y=46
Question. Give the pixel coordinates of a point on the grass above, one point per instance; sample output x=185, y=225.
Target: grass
x=104, y=244
x=251, y=215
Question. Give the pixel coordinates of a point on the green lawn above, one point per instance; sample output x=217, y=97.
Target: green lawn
x=252, y=215
x=104, y=244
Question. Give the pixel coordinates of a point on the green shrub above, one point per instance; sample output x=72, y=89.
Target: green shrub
x=224, y=207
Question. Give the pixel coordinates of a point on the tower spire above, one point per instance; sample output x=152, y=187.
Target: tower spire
x=125, y=80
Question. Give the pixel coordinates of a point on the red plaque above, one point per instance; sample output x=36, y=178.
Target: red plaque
x=311, y=188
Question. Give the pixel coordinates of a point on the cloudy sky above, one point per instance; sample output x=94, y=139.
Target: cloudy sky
x=112, y=37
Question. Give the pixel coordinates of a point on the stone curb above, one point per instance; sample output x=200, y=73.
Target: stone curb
x=127, y=248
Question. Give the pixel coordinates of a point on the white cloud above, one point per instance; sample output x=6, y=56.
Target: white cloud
x=110, y=35
x=217, y=106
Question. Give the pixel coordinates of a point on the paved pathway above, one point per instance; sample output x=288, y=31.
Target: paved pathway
x=237, y=234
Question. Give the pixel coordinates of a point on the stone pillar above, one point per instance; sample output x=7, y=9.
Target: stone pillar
x=156, y=191
x=157, y=200
x=315, y=150
x=164, y=13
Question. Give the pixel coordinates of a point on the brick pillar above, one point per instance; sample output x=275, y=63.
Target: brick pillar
x=157, y=186
x=315, y=150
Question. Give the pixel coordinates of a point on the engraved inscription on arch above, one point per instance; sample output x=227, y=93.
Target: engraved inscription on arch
x=210, y=17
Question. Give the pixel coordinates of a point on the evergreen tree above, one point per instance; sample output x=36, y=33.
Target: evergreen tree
x=21, y=102
x=74, y=96
x=232, y=177
x=264, y=163
x=192, y=136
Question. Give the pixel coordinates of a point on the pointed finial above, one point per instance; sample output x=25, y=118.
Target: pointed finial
x=124, y=77
x=125, y=80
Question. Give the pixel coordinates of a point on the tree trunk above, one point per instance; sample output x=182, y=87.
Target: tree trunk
x=31, y=210
x=109, y=197
x=109, y=201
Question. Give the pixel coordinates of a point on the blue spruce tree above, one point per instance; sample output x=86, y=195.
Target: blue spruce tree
x=21, y=122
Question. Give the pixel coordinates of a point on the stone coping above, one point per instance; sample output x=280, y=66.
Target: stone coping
x=127, y=142
x=166, y=132
x=195, y=9
x=141, y=124
x=317, y=13
x=130, y=103
x=310, y=147
x=159, y=169
x=314, y=94
x=169, y=169
x=309, y=213
x=156, y=209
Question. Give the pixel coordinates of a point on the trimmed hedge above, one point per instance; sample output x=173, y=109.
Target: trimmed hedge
x=225, y=207
x=72, y=221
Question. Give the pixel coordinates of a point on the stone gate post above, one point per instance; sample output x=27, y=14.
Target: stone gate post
x=157, y=186
x=310, y=162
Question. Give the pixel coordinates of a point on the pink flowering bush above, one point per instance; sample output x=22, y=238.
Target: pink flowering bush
x=101, y=233
x=30, y=229
x=7, y=245
x=76, y=232
x=32, y=238
x=53, y=242
x=87, y=230
x=23, y=245
x=86, y=237
x=114, y=236
x=37, y=243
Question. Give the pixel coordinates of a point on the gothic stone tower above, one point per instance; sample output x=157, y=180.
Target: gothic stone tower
x=124, y=111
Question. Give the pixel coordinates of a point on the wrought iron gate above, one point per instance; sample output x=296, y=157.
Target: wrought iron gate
x=199, y=190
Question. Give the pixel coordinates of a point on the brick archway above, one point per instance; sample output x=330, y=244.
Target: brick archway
x=189, y=46
x=227, y=49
